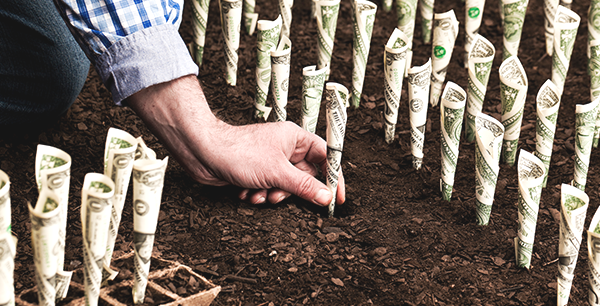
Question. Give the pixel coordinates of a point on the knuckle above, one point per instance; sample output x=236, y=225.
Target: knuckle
x=305, y=186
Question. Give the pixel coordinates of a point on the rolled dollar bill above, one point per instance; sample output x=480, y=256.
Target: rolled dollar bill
x=285, y=8
x=363, y=18
x=266, y=41
x=5, y=213
x=473, y=16
x=452, y=110
x=479, y=65
x=566, y=23
x=119, y=154
x=426, y=10
x=394, y=60
x=488, y=145
x=593, y=23
x=550, y=7
x=45, y=223
x=593, y=244
x=8, y=250
x=142, y=151
x=96, y=206
x=313, y=80
x=53, y=171
x=148, y=180
x=199, y=20
x=547, y=105
x=326, y=12
x=406, y=10
x=280, y=77
x=594, y=68
x=514, y=17
x=419, y=81
x=513, y=92
x=249, y=16
x=531, y=172
x=387, y=5
x=336, y=97
x=585, y=121
x=231, y=19
x=445, y=31
x=573, y=208
x=594, y=72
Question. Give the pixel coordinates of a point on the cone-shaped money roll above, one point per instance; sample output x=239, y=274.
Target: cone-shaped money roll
x=452, y=110
x=585, y=121
x=593, y=22
x=231, y=19
x=594, y=66
x=53, y=171
x=479, y=64
x=550, y=7
x=8, y=250
x=336, y=97
x=445, y=31
x=394, y=61
x=514, y=17
x=547, y=105
x=566, y=23
x=97, y=195
x=326, y=12
x=513, y=92
x=267, y=38
x=313, y=81
x=249, y=16
x=280, y=77
x=119, y=154
x=45, y=223
x=285, y=8
x=363, y=18
x=593, y=244
x=5, y=214
x=148, y=180
x=426, y=10
x=419, y=79
x=594, y=72
x=531, y=172
x=142, y=151
x=488, y=136
x=199, y=20
x=473, y=16
x=573, y=208
x=406, y=10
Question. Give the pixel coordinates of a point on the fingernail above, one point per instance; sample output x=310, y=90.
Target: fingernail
x=281, y=198
x=323, y=197
x=260, y=200
x=244, y=195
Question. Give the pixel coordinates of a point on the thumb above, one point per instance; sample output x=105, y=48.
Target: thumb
x=304, y=185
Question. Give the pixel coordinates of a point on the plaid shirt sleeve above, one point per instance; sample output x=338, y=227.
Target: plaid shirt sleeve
x=133, y=43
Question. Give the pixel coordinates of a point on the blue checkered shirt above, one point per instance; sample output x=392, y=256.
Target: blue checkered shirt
x=133, y=43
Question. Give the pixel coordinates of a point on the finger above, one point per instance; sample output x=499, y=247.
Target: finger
x=277, y=195
x=341, y=190
x=302, y=184
x=309, y=147
x=307, y=167
x=243, y=195
x=258, y=197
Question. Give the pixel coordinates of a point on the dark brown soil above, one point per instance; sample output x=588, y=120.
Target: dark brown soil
x=394, y=242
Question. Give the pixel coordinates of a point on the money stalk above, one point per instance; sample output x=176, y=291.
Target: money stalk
x=336, y=97
x=394, y=67
x=479, y=66
x=280, y=77
x=445, y=31
x=363, y=18
x=266, y=41
x=419, y=82
x=313, y=81
x=452, y=110
x=513, y=92
x=231, y=19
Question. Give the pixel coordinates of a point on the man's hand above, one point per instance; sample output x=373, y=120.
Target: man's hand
x=269, y=160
